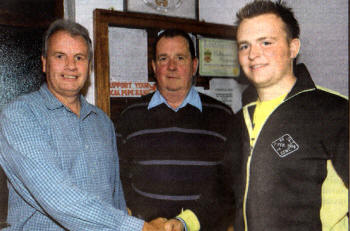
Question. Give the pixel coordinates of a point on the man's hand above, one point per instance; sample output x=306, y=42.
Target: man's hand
x=157, y=224
x=162, y=224
x=173, y=225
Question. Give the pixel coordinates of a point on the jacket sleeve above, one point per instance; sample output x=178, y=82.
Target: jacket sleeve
x=336, y=139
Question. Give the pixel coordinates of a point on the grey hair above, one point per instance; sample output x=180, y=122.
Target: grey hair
x=73, y=28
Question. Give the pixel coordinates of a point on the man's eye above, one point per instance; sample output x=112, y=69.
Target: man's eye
x=266, y=43
x=79, y=58
x=180, y=57
x=59, y=56
x=162, y=59
x=243, y=47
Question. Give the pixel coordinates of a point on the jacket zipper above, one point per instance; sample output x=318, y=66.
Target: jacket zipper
x=248, y=123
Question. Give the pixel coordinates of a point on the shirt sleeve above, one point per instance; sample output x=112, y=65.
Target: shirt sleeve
x=125, y=165
x=119, y=193
x=33, y=170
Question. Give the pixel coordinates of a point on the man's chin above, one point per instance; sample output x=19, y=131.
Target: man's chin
x=173, y=89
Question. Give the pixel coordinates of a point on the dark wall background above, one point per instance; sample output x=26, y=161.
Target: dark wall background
x=20, y=72
x=20, y=66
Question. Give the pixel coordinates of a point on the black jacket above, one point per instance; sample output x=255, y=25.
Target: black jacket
x=284, y=171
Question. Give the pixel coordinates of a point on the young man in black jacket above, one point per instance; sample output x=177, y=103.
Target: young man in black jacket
x=295, y=161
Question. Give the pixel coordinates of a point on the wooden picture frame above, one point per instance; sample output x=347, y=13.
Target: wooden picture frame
x=103, y=19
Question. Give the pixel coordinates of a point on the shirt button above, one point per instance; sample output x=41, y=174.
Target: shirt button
x=86, y=146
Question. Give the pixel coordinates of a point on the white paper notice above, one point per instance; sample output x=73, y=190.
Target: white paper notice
x=228, y=91
x=128, y=55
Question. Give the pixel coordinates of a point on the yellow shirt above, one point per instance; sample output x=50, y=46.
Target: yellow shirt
x=262, y=110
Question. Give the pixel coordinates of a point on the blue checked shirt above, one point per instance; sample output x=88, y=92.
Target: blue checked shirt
x=63, y=169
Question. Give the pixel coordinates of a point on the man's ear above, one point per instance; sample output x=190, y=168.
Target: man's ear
x=294, y=47
x=194, y=66
x=90, y=68
x=43, y=61
x=153, y=66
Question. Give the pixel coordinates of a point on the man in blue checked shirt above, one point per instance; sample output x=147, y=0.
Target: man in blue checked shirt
x=59, y=152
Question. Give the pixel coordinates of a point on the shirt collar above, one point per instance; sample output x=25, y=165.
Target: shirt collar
x=192, y=98
x=53, y=103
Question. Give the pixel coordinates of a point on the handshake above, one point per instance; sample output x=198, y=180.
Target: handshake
x=163, y=224
x=186, y=220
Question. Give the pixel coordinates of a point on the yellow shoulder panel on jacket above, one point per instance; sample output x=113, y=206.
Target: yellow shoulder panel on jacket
x=334, y=207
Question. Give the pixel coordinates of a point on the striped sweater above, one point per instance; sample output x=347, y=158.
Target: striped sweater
x=173, y=160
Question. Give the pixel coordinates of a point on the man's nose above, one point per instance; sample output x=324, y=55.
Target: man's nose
x=71, y=63
x=255, y=51
x=172, y=64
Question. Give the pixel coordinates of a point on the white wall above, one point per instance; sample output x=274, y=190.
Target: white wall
x=324, y=33
x=84, y=15
x=324, y=41
x=222, y=13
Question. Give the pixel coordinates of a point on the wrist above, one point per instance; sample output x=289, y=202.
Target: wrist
x=146, y=227
x=190, y=220
x=184, y=226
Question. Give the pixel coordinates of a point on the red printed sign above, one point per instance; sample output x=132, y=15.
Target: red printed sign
x=131, y=89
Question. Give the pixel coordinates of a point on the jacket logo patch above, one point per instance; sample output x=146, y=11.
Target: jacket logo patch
x=284, y=145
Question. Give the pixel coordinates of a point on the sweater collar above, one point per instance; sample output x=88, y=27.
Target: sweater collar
x=192, y=98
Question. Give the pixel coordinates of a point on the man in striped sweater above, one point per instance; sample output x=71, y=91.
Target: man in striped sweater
x=172, y=144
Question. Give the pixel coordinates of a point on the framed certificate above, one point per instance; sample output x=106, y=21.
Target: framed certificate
x=218, y=57
x=175, y=8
